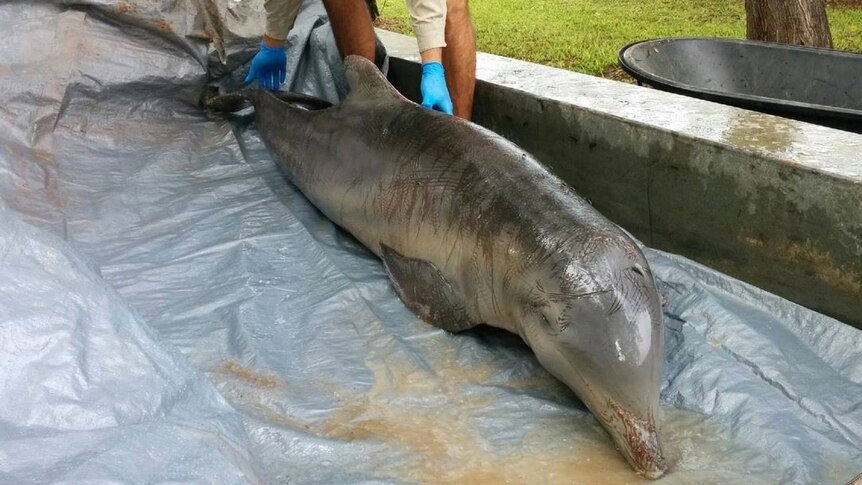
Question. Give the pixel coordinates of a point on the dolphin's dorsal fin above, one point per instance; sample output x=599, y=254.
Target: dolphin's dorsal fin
x=367, y=82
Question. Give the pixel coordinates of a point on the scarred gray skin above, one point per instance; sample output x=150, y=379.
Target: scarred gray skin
x=522, y=250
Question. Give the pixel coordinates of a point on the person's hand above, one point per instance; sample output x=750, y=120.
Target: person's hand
x=435, y=94
x=269, y=67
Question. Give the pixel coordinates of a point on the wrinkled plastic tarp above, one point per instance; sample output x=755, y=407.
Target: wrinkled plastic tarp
x=172, y=309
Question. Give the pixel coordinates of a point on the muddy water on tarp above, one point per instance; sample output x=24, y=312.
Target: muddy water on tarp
x=429, y=416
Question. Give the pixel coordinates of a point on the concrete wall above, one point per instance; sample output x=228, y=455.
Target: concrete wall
x=774, y=202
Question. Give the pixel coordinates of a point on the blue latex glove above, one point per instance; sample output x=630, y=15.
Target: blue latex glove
x=435, y=94
x=269, y=67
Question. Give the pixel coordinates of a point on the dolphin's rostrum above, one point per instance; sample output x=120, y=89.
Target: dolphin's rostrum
x=471, y=229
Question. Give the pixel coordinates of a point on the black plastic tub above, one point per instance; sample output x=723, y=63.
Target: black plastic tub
x=822, y=86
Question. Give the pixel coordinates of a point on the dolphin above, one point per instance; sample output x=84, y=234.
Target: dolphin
x=472, y=230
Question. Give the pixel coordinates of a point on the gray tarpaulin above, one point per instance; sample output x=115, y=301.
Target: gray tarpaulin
x=173, y=310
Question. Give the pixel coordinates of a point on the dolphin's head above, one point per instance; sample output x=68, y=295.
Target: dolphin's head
x=592, y=315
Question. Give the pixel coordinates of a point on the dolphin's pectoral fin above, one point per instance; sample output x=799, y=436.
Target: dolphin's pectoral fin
x=226, y=103
x=425, y=291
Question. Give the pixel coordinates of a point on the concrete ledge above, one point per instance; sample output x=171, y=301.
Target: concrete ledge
x=771, y=201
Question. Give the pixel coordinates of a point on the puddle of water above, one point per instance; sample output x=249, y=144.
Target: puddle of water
x=754, y=131
x=431, y=421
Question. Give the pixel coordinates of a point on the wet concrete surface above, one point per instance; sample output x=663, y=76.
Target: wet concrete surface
x=772, y=201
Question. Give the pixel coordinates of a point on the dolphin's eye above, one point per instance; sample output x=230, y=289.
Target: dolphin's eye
x=637, y=268
x=550, y=326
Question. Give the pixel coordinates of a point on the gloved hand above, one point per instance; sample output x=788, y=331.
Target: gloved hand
x=435, y=94
x=268, y=67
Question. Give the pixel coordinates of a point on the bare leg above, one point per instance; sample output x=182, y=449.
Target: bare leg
x=459, y=57
x=351, y=25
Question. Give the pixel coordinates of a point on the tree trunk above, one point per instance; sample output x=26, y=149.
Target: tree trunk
x=372, y=8
x=797, y=22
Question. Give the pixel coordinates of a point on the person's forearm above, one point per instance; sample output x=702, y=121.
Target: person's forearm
x=351, y=27
x=432, y=55
x=280, y=17
x=270, y=42
x=429, y=23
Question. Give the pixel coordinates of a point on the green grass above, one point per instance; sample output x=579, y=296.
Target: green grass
x=585, y=35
